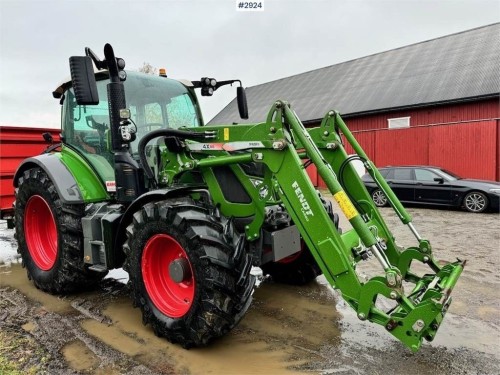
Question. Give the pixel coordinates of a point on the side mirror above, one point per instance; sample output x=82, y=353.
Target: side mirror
x=241, y=97
x=439, y=180
x=83, y=79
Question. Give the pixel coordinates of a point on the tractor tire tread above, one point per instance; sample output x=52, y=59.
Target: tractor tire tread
x=69, y=273
x=219, y=303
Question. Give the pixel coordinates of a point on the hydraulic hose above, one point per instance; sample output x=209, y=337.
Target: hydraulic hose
x=182, y=134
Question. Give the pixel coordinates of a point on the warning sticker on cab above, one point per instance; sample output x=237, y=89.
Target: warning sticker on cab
x=111, y=186
x=345, y=205
x=226, y=134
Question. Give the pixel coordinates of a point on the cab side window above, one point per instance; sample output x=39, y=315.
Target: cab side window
x=90, y=124
x=87, y=129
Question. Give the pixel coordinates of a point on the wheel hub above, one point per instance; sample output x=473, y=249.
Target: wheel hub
x=179, y=270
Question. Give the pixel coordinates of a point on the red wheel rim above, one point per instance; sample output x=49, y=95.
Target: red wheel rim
x=171, y=298
x=41, y=232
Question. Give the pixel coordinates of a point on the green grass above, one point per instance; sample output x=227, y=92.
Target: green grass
x=7, y=366
x=15, y=351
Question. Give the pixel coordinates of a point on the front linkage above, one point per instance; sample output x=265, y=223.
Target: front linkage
x=280, y=143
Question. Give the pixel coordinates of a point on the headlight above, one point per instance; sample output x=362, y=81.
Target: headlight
x=495, y=191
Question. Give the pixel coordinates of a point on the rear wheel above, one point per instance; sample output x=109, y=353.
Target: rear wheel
x=475, y=202
x=50, y=237
x=299, y=268
x=189, y=273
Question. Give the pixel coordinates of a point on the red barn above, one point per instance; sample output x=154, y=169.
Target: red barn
x=433, y=103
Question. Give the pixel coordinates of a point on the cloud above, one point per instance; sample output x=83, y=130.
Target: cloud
x=207, y=38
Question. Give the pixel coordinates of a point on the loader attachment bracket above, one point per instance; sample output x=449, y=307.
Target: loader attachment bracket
x=417, y=315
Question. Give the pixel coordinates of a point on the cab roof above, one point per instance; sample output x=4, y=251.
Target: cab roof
x=100, y=74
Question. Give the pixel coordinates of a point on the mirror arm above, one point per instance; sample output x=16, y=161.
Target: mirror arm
x=229, y=82
x=240, y=93
x=97, y=62
x=198, y=84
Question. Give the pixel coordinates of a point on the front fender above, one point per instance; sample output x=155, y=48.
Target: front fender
x=152, y=196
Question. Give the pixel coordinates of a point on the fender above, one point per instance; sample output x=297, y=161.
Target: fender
x=152, y=196
x=63, y=180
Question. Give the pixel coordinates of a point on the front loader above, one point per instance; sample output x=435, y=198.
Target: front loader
x=186, y=209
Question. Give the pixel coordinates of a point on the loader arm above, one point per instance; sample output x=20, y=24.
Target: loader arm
x=418, y=313
x=280, y=144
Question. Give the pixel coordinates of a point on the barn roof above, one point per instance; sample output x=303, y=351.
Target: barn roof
x=451, y=68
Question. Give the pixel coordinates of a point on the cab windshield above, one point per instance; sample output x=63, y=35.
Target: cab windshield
x=154, y=103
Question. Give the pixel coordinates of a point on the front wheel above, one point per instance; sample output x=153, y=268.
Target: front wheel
x=475, y=202
x=189, y=273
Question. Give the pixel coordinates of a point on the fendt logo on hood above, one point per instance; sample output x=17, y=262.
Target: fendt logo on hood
x=306, y=209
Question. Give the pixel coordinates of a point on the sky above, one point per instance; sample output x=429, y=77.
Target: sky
x=197, y=38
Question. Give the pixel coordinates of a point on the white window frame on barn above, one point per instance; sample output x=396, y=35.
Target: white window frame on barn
x=398, y=122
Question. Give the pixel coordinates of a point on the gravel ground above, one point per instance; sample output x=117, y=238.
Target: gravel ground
x=287, y=329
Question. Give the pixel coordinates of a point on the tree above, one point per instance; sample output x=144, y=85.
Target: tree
x=148, y=68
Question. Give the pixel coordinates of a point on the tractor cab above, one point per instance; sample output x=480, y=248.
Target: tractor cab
x=155, y=102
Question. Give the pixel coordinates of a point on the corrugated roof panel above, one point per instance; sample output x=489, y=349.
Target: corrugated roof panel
x=453, y=67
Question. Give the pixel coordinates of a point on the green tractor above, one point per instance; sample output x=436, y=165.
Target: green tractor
x=139, y=182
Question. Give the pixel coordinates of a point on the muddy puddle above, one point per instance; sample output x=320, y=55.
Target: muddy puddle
x=283, y=329
x=287, y=330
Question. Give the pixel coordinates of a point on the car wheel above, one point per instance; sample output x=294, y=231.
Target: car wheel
x=475, y=202
x=379, y=198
